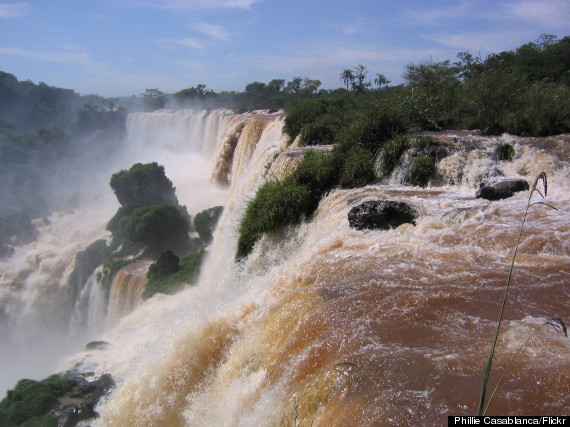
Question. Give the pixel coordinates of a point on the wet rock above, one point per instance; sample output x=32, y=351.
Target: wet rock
x=381, y=215
x=79, y=403
x=501, y=189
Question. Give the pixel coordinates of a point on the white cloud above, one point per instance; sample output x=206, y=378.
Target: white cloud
x=554, y=13
x=197, y=4
x=214, y=31
x=187, y=42
x=13, y=10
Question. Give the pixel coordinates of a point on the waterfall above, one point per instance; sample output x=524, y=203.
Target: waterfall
x=323, y=324
x=328, y=325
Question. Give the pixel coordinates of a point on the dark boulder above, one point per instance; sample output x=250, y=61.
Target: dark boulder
x=381, y=215
x=502, y=189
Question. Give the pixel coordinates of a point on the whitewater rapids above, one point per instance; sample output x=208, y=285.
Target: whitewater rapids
x=326, y=325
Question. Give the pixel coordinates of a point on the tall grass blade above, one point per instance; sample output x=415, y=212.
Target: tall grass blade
x=541, y=177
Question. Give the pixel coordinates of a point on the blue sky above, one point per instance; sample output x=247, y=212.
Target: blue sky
x=122, y=47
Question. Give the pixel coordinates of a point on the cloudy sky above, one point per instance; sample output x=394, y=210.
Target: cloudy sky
x=122, y=47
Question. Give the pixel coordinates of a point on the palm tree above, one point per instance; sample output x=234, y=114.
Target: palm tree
x=347, y=76
x=381, y=80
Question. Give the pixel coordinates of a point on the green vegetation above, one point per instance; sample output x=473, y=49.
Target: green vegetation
x=505, y=151
x=423, y=169
x=159, y=227
x=205, y=222
x=31, y=399
x=275, y=204
x=149, y=218
x=41, y=128
x=142, y=186
x=170, y=273
x=357, y=169
x=391, y=153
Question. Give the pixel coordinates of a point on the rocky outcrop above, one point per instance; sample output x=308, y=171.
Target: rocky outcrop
x=62, y=400
x=501, y=189
x=381, y=215
x=79, y=403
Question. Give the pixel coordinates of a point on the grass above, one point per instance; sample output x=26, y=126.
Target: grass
x=276, y=203
x=423, y=169
x=487, y=371
x=505, y=151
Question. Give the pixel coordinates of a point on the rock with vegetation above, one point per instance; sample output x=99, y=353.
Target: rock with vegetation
x=505, y=151
x=59, y=400
x=205, y=222
x=501, y=189
x=169, y=274
x=149, y=219
x=143, y=185
x=381, y=215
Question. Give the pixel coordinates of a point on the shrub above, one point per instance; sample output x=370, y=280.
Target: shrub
x=30, y=399
x=425, y=141
x=160, y=227
x=170, y=279
x=357, y=169
x=422, y=170
x=505, y=151
x=391, y=153
x=318, y=119
x=206, y=221
x=371, y=131
x=275, y=204
x=143, y=185
x=318, y=172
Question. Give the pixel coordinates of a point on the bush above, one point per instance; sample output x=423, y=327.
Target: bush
x=171, y=279
x=357, y=169
x=505, y=151
x=205, y=222
x=371, y=131
x=159, y=227
x=423, y=169
x=318, y=119
x=318, y=172
x=275, y=204
x=30, y=399
x=425, y=141
x=391, y=153
x=143, y=185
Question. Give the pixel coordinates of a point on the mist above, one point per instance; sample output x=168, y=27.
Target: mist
x=56, y=201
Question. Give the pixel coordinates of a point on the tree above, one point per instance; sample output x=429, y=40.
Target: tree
x=153, y=99
x=381, y=80
x=295, y=85
x=358, y=84
x=276, y=85
x=310, y=86
x=143, y=185
x=255, y=87
x=347, y=76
